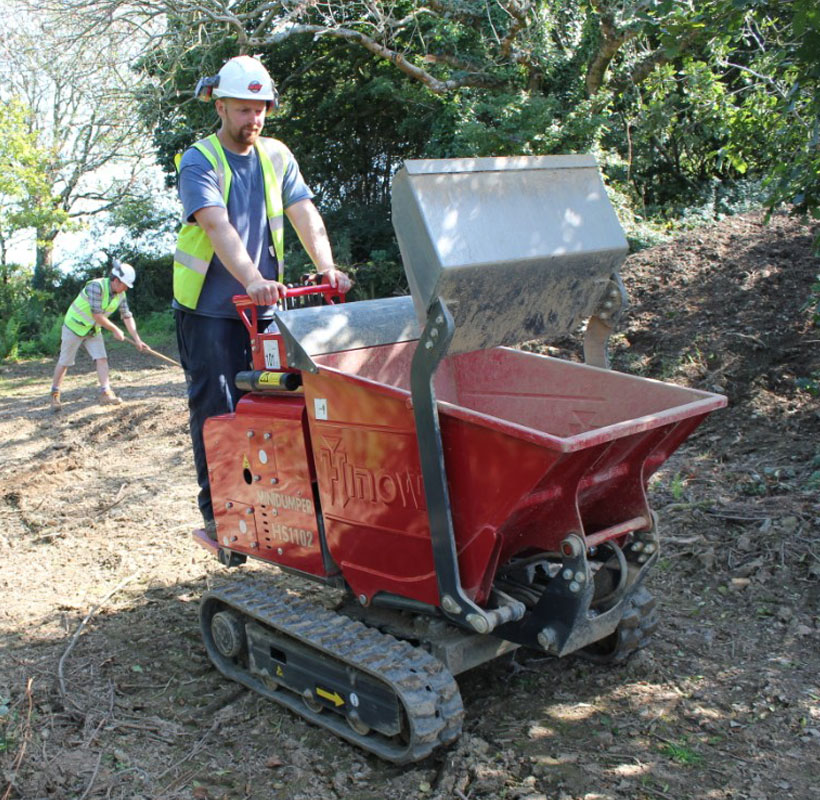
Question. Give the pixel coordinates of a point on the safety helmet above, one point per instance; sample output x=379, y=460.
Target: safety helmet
x=125, y=272
x=242, y=77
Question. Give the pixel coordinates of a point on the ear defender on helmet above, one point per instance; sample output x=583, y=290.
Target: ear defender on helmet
x=205, y=88
x=273, y=104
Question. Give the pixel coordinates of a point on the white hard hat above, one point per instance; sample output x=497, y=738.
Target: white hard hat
x=125, y=272
x=242, y=77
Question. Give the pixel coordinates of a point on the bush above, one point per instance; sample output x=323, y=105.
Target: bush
x=158, y=326
x=10, y=338
x=381, y=276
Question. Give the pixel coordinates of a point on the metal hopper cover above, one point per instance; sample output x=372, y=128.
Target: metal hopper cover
x=518, y=248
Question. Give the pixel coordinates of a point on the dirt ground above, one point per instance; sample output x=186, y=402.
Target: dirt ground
x=106, y=692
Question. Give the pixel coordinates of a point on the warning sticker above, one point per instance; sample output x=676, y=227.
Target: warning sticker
x=271, y=350
x=320, y=407
x=270, y=379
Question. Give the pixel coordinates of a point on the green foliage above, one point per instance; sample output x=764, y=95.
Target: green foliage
x=27, y=315
x=812, y=305
x=795, y=178
x=147, y=221
x=23, y=335
x=689, y=108
x=25, y=187
x=810, y=385
x=381, y=276
x=682, y=753
x=157, y=326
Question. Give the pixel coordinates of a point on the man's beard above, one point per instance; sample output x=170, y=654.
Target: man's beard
x=247, y=135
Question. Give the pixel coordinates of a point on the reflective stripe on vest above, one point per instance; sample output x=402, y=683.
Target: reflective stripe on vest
x=79, y=318
x=194, y=250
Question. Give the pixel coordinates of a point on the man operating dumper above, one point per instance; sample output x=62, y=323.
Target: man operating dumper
x=83, y=324
x=236, y=188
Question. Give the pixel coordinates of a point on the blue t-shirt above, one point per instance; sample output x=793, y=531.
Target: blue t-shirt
x=198, y=188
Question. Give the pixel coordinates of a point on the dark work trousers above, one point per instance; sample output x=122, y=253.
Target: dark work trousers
x=212, y=350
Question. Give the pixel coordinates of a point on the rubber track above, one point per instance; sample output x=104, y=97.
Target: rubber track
x=639, y=622
x=426, y=690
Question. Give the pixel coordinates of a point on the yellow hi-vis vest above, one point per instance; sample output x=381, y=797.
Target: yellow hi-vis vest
x=79, y=318
x=194, y=249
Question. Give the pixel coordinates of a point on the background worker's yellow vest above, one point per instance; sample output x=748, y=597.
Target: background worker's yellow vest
x=79, y=318
x=194, y=249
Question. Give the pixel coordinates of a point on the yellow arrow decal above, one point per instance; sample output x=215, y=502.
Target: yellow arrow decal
x=245, y=463
x=334, y=697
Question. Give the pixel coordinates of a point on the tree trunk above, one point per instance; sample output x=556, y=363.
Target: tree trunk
x=44, y=263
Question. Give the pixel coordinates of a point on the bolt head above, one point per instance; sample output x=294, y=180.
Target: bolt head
x=575, y=586
x=479, y=623
x=571, y=547
x=567, y=574
x=450, y=605
x=547, y=639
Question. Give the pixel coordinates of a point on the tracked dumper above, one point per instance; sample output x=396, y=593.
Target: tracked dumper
x=469, y=498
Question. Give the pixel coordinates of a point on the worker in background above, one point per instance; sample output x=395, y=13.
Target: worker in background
x=236, y=187
x=83, y=324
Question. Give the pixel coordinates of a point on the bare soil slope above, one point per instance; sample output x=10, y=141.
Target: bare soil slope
x=105, y=691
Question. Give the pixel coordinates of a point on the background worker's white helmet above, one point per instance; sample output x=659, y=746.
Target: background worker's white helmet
x=125, y=272
x=242, y=77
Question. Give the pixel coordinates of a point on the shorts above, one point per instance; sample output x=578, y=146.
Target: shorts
x=71, y=342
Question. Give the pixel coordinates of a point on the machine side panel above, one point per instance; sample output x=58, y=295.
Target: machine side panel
x=370, y=486
x=372, y=492
x=261, y=482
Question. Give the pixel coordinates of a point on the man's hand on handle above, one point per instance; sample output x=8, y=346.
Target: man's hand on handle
x=264, y=292
x=337, y=279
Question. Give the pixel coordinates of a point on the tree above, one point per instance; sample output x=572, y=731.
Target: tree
x=796, y=178
x=445, y=45
x=79, y=91
x=725, y=80
x=24, y=185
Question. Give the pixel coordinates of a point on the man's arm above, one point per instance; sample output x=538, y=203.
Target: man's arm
x=232, y=253
x=131, y=327
x=310, y=227
x=106, y=323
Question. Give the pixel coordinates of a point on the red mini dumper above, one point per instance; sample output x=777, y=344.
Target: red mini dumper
x=467, y=497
